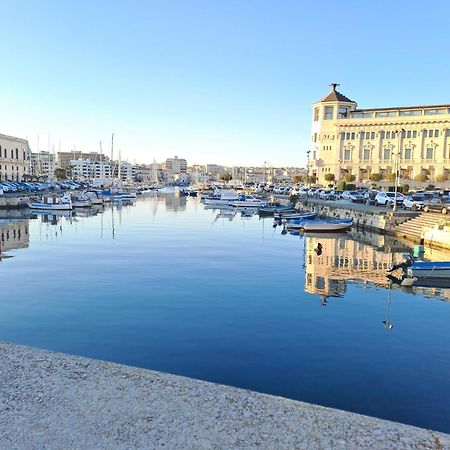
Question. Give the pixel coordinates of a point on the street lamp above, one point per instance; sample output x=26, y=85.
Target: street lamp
x=307, y=167
x=397, y=170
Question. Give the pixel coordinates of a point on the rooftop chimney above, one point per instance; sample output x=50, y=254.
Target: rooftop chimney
x=333, y=86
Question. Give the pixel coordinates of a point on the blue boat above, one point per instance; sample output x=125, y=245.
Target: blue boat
x=429, y=269
x=269, y=210
x=295, y=216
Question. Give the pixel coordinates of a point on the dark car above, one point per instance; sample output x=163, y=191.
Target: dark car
x=441, y=205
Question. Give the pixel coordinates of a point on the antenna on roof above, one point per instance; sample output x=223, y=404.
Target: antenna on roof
x=333, y=86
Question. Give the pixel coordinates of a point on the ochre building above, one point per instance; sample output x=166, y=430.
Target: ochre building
x=348, y=140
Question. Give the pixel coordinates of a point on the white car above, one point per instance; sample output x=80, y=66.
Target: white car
x=353, y=196
x=388, y=198
x=414, y=202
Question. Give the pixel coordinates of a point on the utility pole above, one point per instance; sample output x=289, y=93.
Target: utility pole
x=397, y=170
x=307, y=168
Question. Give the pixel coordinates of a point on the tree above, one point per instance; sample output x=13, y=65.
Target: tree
x=441, y=178
x=226, y=177
x=330, y=177
x=342, y=186
x=294, y=199
x=390, y=176
x=60, y=174
x=296, y=179
x=376, y=177
x=349, y=178
x=422, y=177
x=404, y=188
x=310, y=179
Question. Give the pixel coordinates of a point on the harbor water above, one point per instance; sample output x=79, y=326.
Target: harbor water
x=169, y=285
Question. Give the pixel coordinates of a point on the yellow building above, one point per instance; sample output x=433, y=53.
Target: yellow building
x=348, y=140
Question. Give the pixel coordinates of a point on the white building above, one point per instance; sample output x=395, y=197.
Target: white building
x=42, y=164
x=14, y=158
x=89, y=170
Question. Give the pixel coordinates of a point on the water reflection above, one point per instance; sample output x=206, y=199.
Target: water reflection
x=333, y=261
x=13, y=235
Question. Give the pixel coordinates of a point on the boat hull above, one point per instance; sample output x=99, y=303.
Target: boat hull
x=436, y=270
x=49, y=207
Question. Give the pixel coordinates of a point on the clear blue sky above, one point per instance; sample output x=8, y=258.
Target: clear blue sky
x=229, y=82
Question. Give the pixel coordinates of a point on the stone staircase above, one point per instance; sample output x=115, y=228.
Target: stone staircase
x=412, y=229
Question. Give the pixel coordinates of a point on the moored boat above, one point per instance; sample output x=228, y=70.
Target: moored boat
x=321, y=226
x=248, y=201
x=271, y=210
x=53, y=203
x=221, y=197
x=295, y=216
x=81, y=201
x=429, y=269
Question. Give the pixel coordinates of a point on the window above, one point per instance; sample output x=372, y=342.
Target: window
x=361, y=115
x=316, y=114
x=411, y=112
x=382, y=134
x=408, y=134
x=447, y=132
x=430, y=153
x=17, y=153
x=347, y=155
x=408, y=153
x=430, y=133
x=386, y=114
x=12, y=154
x=387, y=153
x=436, y=133
x=328, y=113
x=353, y=135
x=342, y=136
x=347, y=136
x=366, y=154
x=343, y=113
x=430, y=112
x=388, y=134
x=372, y=135
x=414, y=134
x=315, y=137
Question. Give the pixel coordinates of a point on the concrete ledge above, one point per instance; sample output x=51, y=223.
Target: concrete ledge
x=54, y=401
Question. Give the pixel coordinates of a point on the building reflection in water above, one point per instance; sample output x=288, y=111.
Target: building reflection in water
x=333, y=261
x=13, y=235
x=174, y=201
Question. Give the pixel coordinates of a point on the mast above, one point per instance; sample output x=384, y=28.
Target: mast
x=112, y=157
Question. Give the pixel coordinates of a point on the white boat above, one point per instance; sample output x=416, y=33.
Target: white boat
x=95, y=197
x=222, y=197
x=248, y=201
x=81, y=201
x=53, y=203
x=429, y=269
x=322, y=226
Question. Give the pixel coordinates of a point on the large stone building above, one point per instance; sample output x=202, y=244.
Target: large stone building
x=348, y=140
x=63, y=159
x=174, y=168
x=14, y=158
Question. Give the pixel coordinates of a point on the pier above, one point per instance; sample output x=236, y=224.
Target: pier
x=53, y=400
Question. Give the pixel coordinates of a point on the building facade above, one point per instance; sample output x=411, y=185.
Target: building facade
x=14, y=158
x=174, y=168
x=85, y=169
x=42, y=164
x=414, y=140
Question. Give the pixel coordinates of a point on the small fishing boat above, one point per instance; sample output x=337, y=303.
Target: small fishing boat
x=321, y=226
x=118, y=195
x=271, y=210
x=221, y=197
x=248, y=201
x=295, y=216
x=429, y=269
x=81, y=201
x=95, y=197
x=53, y=203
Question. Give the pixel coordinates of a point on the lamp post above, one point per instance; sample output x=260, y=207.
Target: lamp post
x=307, y=167
x=397, y=170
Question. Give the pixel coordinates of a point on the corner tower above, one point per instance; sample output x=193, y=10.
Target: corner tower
x=324, y=156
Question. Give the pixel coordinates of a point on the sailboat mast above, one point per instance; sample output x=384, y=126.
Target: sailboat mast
x=112, y=156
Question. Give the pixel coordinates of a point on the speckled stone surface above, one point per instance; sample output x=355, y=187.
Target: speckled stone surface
x=57, y=401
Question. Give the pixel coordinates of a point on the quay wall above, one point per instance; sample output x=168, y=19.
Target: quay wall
x=53, y=400
x=439, y=236
x=364, y=217
x=13, y=201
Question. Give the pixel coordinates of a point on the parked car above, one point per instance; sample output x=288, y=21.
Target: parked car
x=369, y=197
x=414, y=202
x=441, y=205
x=388, y=198
x=353, y=196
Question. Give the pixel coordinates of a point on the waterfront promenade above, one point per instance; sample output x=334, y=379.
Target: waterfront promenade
x=53, y=400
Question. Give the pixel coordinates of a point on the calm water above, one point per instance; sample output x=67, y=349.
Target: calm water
x=168, y=285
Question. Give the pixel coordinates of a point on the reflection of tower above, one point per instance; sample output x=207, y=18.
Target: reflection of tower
x=175, y=202
x=343, y=259
x=387, y=323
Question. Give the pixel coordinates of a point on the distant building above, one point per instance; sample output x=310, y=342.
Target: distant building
x=174, y=167
x=85, y=169
x=348, y=140
x=14, y=158
x=42, y=164
x=63, y=158
x=144, y=173
x=214, y=171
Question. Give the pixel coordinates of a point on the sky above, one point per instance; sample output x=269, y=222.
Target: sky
x=219, y=81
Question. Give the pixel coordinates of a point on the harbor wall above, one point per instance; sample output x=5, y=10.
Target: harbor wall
x=13, y=201
x=53, y=400
x=364, y=217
